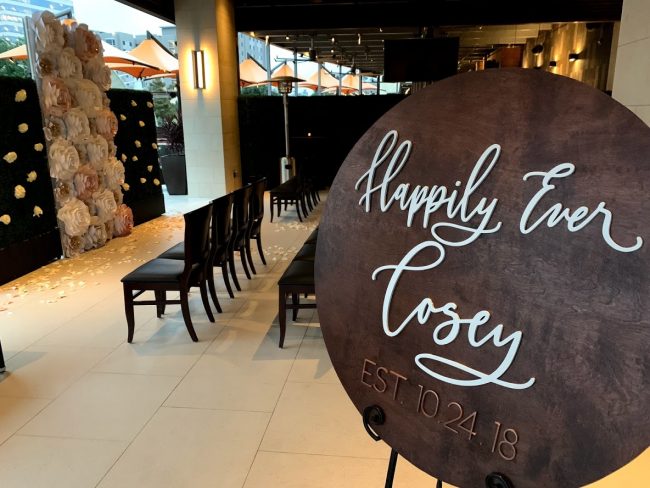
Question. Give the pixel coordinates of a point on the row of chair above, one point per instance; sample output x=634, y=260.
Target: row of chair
x=213, y=233
x=297, y=279
x=297, y=191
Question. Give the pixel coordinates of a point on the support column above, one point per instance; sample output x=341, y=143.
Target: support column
x=632, y=70
x=210, y=116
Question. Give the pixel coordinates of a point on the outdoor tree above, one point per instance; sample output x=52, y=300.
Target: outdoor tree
x=163, y=108
x=15, y=69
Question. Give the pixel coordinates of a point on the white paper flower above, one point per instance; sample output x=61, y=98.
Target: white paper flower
x=97, y=151
x=96, y=70
x=113, y=173
x=48, y=33
x=75, y=217
x=21, y=96
x=149, y=104
x=95, y=237
x=31, y=177
x=38, y=211
x=64, y=159
x=5, y=219
x=156, y=181
x=69, y=64
x=56, y=95
x=105, y=205
x=143, y=180
x=19, y=191
x=72, y=245
x=87, y=95
x=55, y=127
x=38, y=147
x=106, y=123
x=76, y=123
x=10, y=157
x=138, y=144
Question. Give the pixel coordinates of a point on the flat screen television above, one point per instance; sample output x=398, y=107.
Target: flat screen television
x=420, y=59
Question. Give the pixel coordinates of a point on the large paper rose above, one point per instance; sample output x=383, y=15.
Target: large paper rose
x=54, y=128
x=76, y=123
x=64, y=159
x=69, y=64
x=123, y=222
x=75, y=217
x=56, y=96
x=86, y=44
x=86, y=182
x=113, y=173
x=72, y=245
x=48, y=33
x=87, y=95
x=112, y=149
x=97, y=151
x=95, y=237
x=96, y=70
x=62, y=193
x=105, y=205
x=106, y=124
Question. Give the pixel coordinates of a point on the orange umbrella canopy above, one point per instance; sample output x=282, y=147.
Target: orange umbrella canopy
x=326, y=80
x=283, y=70
x=352, y=81
x=15, y=54
x=251, y=72
x=153, y=53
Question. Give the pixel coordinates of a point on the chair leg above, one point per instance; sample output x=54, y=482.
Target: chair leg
x=271, y=202
x=242, y=257
x=282, y=316
x=161, y=301
x=185, y=308
x=204, y=299
x=295, y=301
x=233, y=271
x=226, y=280
x=213, y=289
x=249, y=256
x=259, y=247
x=128, y=309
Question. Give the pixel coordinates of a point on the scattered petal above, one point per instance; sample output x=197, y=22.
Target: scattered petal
x=5, y=219
x=38, y=147
x=10, y=157
x=21, y=96
x=31, y=176
x=19, y=191
x=38, y=211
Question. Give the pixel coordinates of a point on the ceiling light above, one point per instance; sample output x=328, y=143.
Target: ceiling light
x=333, y=39
x=251, y=33
x=287, y=37
x=359, y=39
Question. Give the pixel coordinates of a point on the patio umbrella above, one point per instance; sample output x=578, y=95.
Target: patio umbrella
x=151, y=52
x=283, y=70
x=326, y=80
x=15, y=54
x=351, y=81
x=251, y=72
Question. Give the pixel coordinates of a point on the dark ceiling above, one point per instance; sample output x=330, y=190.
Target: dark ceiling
x=301, y=24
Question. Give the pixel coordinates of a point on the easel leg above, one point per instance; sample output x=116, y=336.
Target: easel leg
x=392, y=464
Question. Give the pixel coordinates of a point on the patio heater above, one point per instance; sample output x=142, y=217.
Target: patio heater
x=287, y=163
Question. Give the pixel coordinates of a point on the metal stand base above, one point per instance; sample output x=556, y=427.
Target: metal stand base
x=374, y=415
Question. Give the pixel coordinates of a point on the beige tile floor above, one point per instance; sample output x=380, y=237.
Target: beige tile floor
x=80, y=407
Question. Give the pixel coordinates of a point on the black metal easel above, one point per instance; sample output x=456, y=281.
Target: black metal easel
x=374, y=415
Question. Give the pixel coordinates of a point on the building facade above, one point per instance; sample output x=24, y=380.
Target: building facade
x=13, y=12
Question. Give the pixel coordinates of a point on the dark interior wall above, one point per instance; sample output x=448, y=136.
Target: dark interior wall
x=335, y=124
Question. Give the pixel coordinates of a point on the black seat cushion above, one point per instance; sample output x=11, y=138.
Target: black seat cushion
x=299, y=273
x=313, y=237
x=176, y=252
x=157, y=270
x=306, y=253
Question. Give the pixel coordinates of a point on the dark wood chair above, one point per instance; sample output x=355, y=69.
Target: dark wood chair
x=239, y=241
x=223, y=207
x=161, y=274
x=298, y=279
x=256, y=217
x=2, y=360
x=288, y=193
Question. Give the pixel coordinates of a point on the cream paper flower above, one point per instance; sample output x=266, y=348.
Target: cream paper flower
x=55, y=127
x=95, y=237
x=69, y=64
x=150, y=168
x=31, y=177
x=38, y=211
x=86, y=182
x=96, y=70
x=87, y=95
x=72, y=245
x=75, y=217
x=154, y=145
x=19, y=191
x=56, y=96
x=138, y=144
x=123, y=221
x=48, y=33
x=10, y=157
x=113, y=173
x=156, y=181
x=22, y=128
x=122, y=117
x=143, y=180
x=106, y=124
x=21, y=96
x=38, y=147
x=105, y=205
x=149, y=104
x=141, y=123
x=97, y=151
x=64, y=159
x=86, y=44
x=76, y=123
x=5, y=219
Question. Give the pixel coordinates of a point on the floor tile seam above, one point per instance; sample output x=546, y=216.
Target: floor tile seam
x=15, y=433
x=117, y=373
x=68, y=437
x=274, y=451
x=208, y=409
x=275, y=406
x=633, y=41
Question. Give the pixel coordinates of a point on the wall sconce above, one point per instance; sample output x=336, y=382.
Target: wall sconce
x=537, y=49
x=198, y=63
x=573, y=57
x=552, y=64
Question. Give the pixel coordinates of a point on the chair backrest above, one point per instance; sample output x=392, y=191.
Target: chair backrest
x=257, y=199
x=221, y=221
x=197, y=237
x=241, y=206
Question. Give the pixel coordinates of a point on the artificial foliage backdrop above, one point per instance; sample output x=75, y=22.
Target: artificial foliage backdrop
x=27, y=213
x=137, y=149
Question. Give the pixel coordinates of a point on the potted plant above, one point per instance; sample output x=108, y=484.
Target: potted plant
x=173, y=162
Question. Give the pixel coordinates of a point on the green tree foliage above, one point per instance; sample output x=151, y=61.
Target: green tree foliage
x=14, y=69
x=162, y=106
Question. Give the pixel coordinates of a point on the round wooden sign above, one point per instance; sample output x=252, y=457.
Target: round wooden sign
x=483, y=275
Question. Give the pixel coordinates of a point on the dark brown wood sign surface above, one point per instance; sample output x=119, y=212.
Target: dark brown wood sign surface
x=483, y=275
